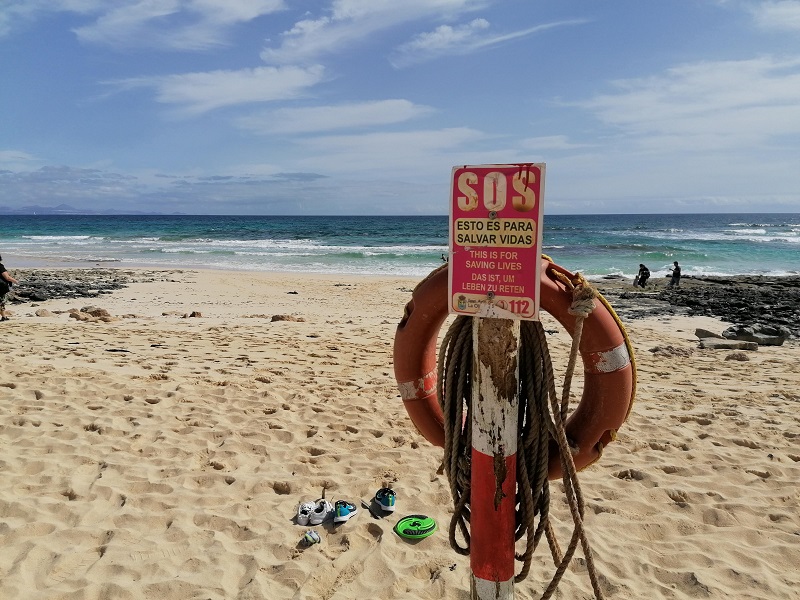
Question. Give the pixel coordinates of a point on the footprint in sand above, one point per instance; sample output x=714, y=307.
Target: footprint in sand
x=746, y=443
x=762, y=474
x=679, y=497
x=67, y=566
x=282, y=488
x=631, y=475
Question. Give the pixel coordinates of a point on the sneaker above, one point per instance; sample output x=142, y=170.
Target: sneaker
x=310, y=538
x=343, y=511
x=386, y=499
x=304, y=512
x=321, y=512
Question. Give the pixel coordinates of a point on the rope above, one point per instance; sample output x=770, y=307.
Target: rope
x=542, y=417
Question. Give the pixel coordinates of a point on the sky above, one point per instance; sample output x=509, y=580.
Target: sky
x=349, y=107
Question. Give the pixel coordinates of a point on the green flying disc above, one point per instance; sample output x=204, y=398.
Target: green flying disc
x=415, y=527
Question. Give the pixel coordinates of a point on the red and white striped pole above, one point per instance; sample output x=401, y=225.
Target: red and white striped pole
x=495, y=402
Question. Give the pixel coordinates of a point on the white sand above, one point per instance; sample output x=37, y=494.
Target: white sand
x=173, y=470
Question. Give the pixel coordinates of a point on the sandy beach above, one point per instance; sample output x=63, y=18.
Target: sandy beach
x=161, y=455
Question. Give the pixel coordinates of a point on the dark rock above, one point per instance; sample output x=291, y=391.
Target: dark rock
x=39, y=285
x=756, y=300
x=705, y=333
x=763, y=335
x=719, y=344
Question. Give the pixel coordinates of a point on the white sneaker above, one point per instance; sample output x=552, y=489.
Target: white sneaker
x=322, y=511
x=304, y=512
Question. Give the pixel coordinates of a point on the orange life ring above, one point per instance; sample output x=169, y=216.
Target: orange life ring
x=608, y=388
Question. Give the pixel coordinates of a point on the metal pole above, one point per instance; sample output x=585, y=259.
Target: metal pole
x=495, y=412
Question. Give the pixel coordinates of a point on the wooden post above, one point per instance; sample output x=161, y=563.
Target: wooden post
x=495, y=415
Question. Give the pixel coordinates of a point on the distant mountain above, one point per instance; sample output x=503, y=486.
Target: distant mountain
x=66, y=209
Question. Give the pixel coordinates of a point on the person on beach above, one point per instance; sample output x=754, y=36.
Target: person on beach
x=676, y=275
x=6, y=280
x=642, y=276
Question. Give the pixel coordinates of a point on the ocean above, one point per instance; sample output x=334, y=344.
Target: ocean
x=595, y=245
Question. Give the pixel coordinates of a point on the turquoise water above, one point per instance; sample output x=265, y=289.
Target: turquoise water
x=596, y=245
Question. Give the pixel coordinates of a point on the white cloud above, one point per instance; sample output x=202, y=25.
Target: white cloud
x=127, y=21
x=350, y=21
x=235, y=11
x=327, y=118
x=444, y=39
x=178, y=24
x=17, y=160
x=197, y=93
x=778, y=14
x=422, y=152
x=724, y=105
x=51, y=185
x=448, y=40
x=549, y=142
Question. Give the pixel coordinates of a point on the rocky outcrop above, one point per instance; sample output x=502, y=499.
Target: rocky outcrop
x=720, y=344
x=763, y=335
x=755, y=301
x=750, y=300
x=91, y=314
x=705, y=333
x=38, y=285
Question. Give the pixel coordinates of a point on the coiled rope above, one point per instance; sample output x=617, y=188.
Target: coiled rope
x=542, y=416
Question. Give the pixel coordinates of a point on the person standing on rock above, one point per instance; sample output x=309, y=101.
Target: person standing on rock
x=642, y=276
x=676, y=275
x=6, y=280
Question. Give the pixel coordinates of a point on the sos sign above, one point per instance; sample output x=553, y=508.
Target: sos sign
x=495, y=240
x=525, y=182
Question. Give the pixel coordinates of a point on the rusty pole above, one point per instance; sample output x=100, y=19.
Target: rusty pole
x=495, y=417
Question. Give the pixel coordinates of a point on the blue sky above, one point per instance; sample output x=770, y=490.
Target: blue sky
x=364, y=106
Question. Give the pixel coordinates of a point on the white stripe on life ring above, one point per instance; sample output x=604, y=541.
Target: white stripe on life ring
x=608, y=361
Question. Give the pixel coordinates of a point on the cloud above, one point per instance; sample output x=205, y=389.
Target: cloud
x=350, y=21
x=779, y=14
x=14, y=12
x=549, y=142
x=18, y=160
x=55, y=184
x=327, y=118
x=424, y=153
x=63, y=174
x=98, y=189
x=176, y=24
x=197, y=93
x=700, y=107
x=299, y=176
x=447, y=40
